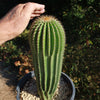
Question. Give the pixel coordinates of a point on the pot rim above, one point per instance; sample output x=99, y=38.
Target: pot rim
x=72, y=84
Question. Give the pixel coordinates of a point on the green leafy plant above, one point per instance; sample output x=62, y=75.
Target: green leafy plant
x=47, y=42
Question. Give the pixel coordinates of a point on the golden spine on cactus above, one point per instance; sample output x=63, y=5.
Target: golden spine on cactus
x=47, y=42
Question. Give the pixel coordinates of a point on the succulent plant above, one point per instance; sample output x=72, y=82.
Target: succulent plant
x=47, y=42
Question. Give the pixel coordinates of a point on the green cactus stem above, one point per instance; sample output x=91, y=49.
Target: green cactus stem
x=47, y=42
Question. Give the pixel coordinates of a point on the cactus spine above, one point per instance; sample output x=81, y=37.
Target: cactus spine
x=47, y=42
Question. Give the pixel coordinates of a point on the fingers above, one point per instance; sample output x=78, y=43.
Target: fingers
x=39, y=11
x=33, y=8
x=34, y=15
x=39, y=7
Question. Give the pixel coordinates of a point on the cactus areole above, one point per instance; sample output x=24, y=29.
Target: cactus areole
x=47, y=42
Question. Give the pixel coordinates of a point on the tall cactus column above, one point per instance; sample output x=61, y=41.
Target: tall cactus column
x=47, y=42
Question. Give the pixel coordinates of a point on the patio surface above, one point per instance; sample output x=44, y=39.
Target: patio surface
x=7, y=84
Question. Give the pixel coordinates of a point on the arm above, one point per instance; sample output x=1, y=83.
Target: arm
x=15, y=22
x=4, y=30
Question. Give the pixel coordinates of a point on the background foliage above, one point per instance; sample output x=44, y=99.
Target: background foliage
x=81, y=20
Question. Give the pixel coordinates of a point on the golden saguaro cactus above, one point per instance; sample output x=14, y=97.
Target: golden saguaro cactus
x=47, y=42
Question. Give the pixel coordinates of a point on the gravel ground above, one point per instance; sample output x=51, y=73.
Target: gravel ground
x=7, y=84
x=30, y=91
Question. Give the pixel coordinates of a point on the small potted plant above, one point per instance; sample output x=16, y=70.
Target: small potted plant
x=47, y=43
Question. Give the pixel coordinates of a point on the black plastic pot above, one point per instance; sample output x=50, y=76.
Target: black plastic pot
x=31, y=75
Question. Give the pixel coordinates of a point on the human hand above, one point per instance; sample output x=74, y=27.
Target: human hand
x=18, y=18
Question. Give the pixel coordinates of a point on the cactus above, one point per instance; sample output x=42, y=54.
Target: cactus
x=47, y=42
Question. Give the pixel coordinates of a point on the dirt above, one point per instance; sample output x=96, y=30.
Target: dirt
x=8, y=82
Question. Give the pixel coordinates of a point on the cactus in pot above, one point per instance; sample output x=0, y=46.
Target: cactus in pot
x=47, y=42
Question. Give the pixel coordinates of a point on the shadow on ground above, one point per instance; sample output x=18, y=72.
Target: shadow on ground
x=8, y=82
x=11, y=76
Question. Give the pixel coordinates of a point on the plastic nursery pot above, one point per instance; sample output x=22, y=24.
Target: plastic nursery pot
x=30, y=75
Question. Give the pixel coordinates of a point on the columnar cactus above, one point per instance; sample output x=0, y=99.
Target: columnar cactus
x=47, y=42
